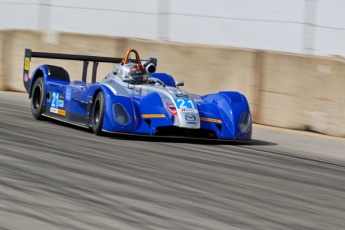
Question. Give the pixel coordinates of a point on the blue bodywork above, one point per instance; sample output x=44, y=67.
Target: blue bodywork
x=71, y=101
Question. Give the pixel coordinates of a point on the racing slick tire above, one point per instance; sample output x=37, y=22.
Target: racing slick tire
x=37, y=99
x=98, y=114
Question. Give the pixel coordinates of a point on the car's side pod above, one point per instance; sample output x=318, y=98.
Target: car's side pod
x=233, y=106
x=48, y=72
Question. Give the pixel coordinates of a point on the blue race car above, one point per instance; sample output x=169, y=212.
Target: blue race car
x=133, y=99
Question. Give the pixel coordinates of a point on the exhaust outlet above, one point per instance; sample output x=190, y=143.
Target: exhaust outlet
x=151, y=68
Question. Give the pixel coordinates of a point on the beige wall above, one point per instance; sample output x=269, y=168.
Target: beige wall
x=2, y=50
x=304, y=92
x=198, y=66
x=58, y=43
x=284, y=90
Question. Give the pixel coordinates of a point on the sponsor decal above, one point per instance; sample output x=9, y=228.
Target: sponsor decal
x=61, y=103
x=190, y=117
x=189, y=110
x=62, y=112
x=58, y=111
x=191, y=123
x=210, y=120
x=26, y=77
x=152, y=115
x=53, y=110
x=182, y=95
x=27, y=64
x=68, y=93
x=171, y=108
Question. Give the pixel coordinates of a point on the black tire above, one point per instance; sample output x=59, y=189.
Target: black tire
x=37, y=99
x=98, y=114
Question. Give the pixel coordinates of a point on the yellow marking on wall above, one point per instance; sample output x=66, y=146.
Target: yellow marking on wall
x=210, y=120
x=152, y=115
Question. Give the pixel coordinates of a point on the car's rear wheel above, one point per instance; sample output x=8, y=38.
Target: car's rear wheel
x=98, y=113
x=37, y=99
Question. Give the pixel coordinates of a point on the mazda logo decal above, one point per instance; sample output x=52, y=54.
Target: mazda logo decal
x=190, y=117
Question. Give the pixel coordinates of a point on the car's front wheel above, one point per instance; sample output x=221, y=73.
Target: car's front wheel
x=37, y=99
x=98, y=113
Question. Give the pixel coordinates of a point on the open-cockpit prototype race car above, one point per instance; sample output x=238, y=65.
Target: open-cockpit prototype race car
x=133, y=99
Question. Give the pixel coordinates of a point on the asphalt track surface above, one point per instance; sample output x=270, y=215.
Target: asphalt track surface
x=55, y=176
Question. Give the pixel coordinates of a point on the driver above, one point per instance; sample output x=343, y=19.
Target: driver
x=138, y=74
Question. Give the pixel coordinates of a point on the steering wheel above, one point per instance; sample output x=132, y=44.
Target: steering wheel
x=125, y=59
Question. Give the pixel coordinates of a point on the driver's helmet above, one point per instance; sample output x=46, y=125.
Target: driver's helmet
x=138, y=74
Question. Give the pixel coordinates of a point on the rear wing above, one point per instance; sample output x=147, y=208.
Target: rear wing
x=86, y=59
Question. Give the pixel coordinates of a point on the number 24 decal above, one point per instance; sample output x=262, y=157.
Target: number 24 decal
x=184, y=104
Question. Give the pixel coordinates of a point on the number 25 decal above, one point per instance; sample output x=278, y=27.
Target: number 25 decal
x=184, y=104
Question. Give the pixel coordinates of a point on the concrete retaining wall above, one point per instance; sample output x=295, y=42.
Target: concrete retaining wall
x=302, y=92
x=2, y=66
x=284, y=90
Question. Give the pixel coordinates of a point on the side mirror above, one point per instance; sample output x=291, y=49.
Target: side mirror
x=179, y=83
x=126, y=80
